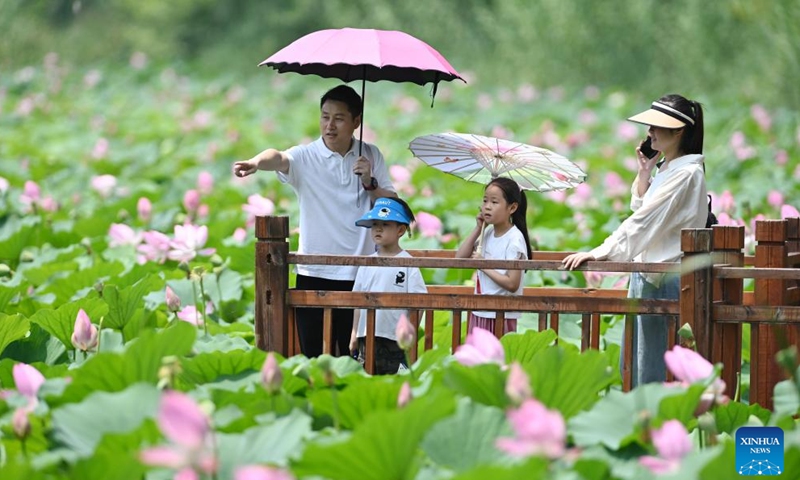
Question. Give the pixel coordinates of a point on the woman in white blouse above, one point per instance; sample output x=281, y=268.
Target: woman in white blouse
x=663, y=204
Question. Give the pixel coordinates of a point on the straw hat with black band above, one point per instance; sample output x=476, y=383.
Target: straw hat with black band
x=664, y=116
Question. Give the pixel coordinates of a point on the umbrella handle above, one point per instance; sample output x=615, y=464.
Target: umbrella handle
x=479, y=248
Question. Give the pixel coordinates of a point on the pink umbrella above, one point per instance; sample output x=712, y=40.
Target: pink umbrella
x=364, y=54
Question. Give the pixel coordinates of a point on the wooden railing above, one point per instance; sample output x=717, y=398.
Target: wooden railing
x=712, y=300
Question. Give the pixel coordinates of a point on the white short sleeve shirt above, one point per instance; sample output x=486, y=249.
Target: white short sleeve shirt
x=509, y=246
x=331, y=199
x=387, y=279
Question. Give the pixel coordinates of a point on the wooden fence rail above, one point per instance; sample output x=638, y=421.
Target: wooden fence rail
x=713, y=299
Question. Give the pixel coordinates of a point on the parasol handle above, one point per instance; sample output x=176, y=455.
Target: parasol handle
x=479, y=248
x=361, y=127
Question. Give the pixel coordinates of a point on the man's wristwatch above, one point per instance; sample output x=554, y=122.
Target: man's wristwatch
x=372, y=185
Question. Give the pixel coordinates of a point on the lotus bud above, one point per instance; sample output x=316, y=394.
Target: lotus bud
x=173, y=301
x=98, y=287
x=144, y=209
x=404, y=396
x=405, y=332
x=86, y=243
x=271, y=375
x=184, y=266
x=20, y=423
x=216, y=260
x=518, y=386
x=191, y=200
x=84, y=335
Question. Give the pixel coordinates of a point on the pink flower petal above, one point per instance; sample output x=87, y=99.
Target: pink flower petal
x=182, y=421
x=481, y=347
x=169, y=457
x=27, y=379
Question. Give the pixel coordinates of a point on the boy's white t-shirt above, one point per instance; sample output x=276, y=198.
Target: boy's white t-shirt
x=331, y=199
x=510, y=246
x=387, y=279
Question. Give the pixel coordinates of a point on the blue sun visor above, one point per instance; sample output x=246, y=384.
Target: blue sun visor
x=386, y=210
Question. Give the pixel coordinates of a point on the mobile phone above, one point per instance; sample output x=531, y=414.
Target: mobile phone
x=647, y=149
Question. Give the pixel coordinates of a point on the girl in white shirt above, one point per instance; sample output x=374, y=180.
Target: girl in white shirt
x=663, y=205
x=506, y=238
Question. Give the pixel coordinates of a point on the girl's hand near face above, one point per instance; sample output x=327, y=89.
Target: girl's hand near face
x=646, y=165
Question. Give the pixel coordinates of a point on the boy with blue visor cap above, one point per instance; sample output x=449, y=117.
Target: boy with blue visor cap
x=388, y=220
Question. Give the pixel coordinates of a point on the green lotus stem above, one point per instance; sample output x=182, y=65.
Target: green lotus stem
x=194, y=293
x=203, y=305
x=100, y=333
x=408, y=362
x=219, y=291
x=335, y=403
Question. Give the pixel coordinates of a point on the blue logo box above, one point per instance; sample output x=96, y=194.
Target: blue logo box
x=759, y=451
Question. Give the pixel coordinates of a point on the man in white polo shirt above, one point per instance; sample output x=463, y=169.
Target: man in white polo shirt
x=335, y=187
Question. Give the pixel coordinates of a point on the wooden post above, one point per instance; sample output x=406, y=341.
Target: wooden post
x=726, y=338
x=695, y=296
x=272, y=282
x=767, y=340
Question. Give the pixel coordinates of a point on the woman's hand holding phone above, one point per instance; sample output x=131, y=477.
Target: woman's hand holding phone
x=646, y=156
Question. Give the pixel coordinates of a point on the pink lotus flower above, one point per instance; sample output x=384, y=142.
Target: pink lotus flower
x=205, y=182
x=28, y=381
x=144, y=209
x=762, y=117
x=687, y=365
x=191, y=200
x=672, y=443
x=30, y=194
x=429, y=225
x=20, y=423
x=155, y=247
x=48, y=204
x=122, y=235
x=405, y=332
x=104, y=185
x=191, y=314
x=173, y=301
x=84, y=335
x=518, y=385
x=100, y=149
x=690, y=367
x=404, y=396
x=481, y=347
x=775, y=198
x=614, y=185
x=400, y=174
x=781, y=157
x=240, y=235
x=537, y=430
x=627, y=132
x=257, y=472
x=788, y=211
x=189, y=431
x=189, y=242
x=257, y=206
x=271, y=375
